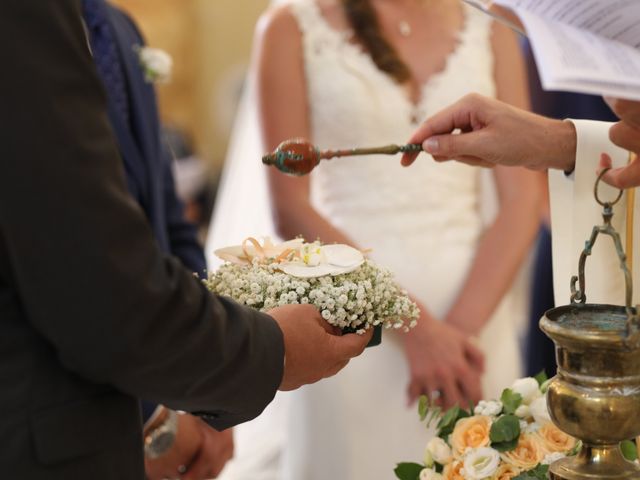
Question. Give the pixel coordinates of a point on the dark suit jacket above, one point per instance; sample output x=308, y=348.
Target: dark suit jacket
x=147, y=159
x=92, y=313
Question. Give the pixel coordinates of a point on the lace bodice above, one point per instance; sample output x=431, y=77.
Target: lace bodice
x=399, y=212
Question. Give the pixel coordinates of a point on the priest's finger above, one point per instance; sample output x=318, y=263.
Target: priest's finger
x=625, y=136
x=460, y=116
x=626, y=110
x=623, y=177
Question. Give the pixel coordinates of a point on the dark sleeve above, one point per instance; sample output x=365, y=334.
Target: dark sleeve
x=82, y=257
x=183, y=239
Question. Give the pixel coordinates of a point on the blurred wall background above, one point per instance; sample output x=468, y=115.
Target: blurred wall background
x=210, y=43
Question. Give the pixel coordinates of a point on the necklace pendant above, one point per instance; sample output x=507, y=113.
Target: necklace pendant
x=404, y=28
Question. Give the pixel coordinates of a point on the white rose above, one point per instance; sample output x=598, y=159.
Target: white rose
x=481, y=463
x=539, y=410
x=489, y=408
x=528, y=388
x=430, y=474
x=523, y=411
x=439, y=450
x=428, y=458
x=552, y=457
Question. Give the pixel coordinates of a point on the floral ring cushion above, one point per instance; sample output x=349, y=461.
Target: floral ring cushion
x=350, y=291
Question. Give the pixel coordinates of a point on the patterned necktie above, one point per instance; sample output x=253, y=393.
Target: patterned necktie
x=106, y=56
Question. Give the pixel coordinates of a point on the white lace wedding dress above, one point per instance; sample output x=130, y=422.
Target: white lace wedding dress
x=422, y=222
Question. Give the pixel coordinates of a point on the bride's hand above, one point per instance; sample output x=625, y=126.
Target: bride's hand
x=442, y=359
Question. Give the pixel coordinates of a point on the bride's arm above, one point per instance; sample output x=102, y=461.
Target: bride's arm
x=284, y=113
x=507, y=241
x=439, y=357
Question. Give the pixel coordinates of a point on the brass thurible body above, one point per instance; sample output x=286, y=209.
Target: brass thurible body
x=595, y=396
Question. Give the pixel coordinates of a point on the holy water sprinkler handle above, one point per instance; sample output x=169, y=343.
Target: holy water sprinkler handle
x=299, y=157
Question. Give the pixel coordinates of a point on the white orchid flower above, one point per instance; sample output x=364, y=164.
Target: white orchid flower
x=318, y=261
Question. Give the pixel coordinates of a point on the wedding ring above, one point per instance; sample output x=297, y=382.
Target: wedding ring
x=182, y=469
x=435, y=394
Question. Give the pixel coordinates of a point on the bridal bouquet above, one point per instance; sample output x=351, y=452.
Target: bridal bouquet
x=510, y=438
x=350, y=291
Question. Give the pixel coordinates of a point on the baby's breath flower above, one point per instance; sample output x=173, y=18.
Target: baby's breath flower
x=358, y=300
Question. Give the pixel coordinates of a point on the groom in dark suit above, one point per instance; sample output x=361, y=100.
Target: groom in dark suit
x=92, y=314
x=116, y=45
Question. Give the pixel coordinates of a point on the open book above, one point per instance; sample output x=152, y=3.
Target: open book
x=587, y=46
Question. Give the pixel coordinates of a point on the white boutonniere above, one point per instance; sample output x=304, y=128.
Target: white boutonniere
x=156, y=64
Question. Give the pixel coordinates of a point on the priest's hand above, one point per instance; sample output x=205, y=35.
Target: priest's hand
x=485, y=132
x=313, y=349
x=625, y=134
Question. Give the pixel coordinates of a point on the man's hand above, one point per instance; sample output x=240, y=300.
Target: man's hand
x=199, y=452
x=485, y=132
x=442, y=359
x=313, y=349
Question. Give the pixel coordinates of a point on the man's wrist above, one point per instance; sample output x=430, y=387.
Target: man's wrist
x=160, y=433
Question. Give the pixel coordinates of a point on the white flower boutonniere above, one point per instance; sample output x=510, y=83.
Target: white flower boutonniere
x=156, y=64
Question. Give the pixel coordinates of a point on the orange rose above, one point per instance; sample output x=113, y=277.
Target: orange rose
x=506, y=472
x=552, y=439
x=453, y=471
x=471, y=432
x=527, y=454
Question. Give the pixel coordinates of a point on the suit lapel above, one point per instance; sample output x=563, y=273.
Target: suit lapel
x=142, y=96
x=139, y=140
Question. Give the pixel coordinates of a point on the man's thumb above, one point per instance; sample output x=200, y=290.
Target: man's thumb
x=351, y=345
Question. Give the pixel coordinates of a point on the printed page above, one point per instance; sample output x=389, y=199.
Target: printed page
x=575, y=60
x=617, y=20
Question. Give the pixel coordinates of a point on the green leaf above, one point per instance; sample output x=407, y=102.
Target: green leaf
x=505, y=446
x=538, y=473
x=408, y=471
x=448, y=421
x=575, y=449
x=541, y=377
x=505, y=429
x=423, y=407
x=510, y=401
x=434, y=413
x=629, y=450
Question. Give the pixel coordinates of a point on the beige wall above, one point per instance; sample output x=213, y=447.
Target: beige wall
x=210, y=42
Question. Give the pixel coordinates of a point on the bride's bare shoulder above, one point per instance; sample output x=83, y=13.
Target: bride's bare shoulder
x=278, y=18
x=281, y=17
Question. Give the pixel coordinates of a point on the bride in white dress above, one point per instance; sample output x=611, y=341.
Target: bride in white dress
x=322, y=75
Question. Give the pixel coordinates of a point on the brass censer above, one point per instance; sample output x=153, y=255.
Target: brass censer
x=595, y=396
